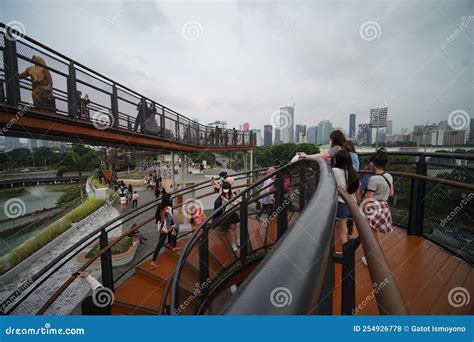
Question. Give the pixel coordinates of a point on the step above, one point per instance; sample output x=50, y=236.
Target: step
x=220, y=248
x=256, y=233
x=138, y=292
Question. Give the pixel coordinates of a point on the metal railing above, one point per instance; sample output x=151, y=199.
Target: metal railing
x=306, y=189
x=109, y=103
x=437, y=208
x=57, y=277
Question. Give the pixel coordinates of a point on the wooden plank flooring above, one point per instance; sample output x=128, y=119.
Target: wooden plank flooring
x=425, y=274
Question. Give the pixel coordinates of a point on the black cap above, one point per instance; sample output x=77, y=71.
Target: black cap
x=223, y=174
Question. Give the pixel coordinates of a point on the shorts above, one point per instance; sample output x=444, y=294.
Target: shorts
x=342, y=211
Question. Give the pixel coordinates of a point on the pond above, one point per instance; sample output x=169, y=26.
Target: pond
x=26, y=200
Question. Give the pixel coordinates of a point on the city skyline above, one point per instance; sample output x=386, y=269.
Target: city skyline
x=415, y=71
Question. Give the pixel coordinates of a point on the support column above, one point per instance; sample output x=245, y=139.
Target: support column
x=245, y=161
x=172, y=172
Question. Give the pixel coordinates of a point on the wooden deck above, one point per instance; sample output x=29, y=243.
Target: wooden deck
x=425, y=273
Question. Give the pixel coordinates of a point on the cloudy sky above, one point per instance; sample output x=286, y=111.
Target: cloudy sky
x=242, y=61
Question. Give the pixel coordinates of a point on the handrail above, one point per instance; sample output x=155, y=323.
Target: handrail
x=389, y=300
x=270, y=291
x=118, y=221
x=441, y=181
x=454, y=155
x=187, y=249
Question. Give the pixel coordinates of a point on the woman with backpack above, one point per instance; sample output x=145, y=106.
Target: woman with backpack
x=347, y=178
x=166, y=228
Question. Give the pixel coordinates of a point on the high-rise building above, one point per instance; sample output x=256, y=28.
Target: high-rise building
x=471, y=132
x=365, y=134
x=324, y=130
x=32, y=143
x=389, y=129
x=258, y=136
x=352, y=126
x=312, y=135
x=287, y=119
x=300, y=133
x=267, y=135
x=221, y=124
x=277, y=140
x=12, y=143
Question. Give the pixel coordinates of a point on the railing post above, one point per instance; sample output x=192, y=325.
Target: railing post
x=114, y=105
x=178, y=135
x=106, y=262
x=348, y=277
x=280, y=206
x=244, y=233
x=162, y=122
x=72, y=98
x=12, y=82
x=417, y=200
x=204, y=255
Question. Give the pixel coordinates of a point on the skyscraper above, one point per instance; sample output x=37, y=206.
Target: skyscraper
x=312, y=135
x=277, y=136
x=300, y=133
x=12, y=143
x=471, y=132
x=324, y=129
x=287, y=118
x=352, y=126
x=267, y=135
x=389, y=129
x=365, y=134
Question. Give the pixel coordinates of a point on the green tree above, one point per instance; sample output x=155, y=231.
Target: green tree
x=79, y=159
x=281, y=154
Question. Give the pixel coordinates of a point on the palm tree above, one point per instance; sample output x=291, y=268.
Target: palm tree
x=79, y=159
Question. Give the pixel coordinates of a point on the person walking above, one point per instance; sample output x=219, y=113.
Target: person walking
x=135, y=198
x=166, y=229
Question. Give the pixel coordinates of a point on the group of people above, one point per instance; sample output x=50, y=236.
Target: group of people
x=127, y=195
x=372, y=194
x=154, y=182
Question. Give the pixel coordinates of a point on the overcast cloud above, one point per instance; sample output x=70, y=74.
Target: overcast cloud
x=242, y=61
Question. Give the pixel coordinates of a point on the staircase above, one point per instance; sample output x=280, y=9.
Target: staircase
x=143, y=292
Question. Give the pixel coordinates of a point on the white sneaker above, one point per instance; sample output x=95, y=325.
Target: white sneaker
x=364, y=260
x=233, y=288
x=234, y=247
x=238, y=242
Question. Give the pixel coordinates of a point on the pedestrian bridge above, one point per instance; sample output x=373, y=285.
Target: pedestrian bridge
x=90, y=108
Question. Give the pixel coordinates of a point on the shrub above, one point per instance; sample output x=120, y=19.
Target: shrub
x=70, y=194
x=52, y=231
x=120, y=247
